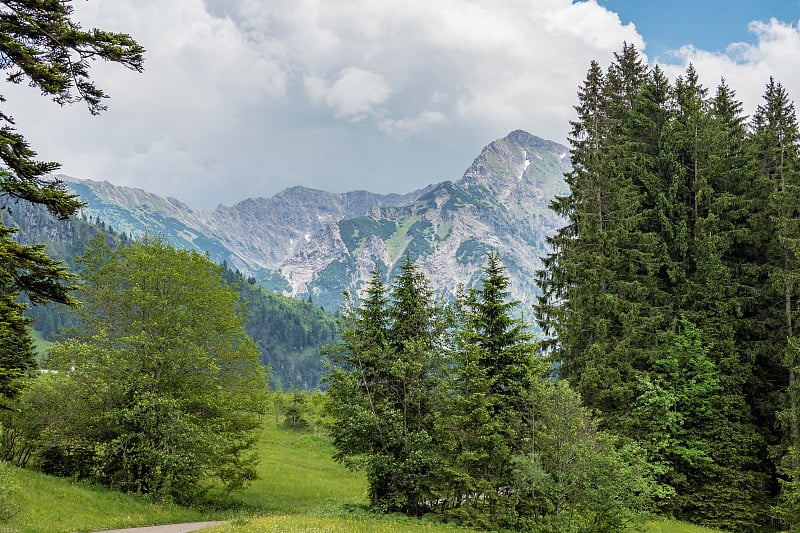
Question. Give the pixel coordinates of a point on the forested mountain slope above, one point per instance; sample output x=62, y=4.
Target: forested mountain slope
x=289, y=332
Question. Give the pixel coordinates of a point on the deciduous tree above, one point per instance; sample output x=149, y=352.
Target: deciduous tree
x=166, y=379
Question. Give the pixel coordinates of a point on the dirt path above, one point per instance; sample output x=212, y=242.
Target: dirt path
x=167, y=528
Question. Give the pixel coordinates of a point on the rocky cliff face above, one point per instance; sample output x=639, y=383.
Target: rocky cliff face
x=304, y=242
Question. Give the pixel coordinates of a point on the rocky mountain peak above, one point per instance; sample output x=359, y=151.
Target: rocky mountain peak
x=515, y=162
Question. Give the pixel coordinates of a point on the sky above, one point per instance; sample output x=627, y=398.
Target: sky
x=245, y=98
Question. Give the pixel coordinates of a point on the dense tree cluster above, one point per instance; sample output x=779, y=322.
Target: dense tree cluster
x=445, y=409
x=670, y=298
x=158, y=389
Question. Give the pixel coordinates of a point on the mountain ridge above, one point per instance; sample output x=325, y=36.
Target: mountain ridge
x=305, y=242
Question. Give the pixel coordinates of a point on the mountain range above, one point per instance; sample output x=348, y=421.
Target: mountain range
x=314, y=244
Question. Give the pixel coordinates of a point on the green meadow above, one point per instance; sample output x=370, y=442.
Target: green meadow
x=300, y=489
x=45, y=504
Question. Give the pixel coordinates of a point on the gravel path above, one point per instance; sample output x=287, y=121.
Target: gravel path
x=168, y=528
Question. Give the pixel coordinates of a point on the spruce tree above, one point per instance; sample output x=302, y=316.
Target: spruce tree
x=496, y=370
x=384, y=391
x=597, y=282
x=507, y=356
x=730, y=491
x=776, y=141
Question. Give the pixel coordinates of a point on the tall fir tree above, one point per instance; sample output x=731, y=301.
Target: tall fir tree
x=384, y=391
x=594, y=300
x=496, y=370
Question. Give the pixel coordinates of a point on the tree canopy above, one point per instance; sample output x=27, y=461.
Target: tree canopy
x=670, y=296
x=167, y=383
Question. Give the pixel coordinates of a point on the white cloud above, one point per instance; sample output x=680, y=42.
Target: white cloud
x=403, y=128
x=590, y=22
x=246, y=97
x=354, y=96
x=747, y=67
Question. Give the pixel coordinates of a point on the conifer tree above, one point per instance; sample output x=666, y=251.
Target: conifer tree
x=17, y=360
x=384, y=391
x=707, y=140
x=595, y=283
x=776, y=140
x=496, y=369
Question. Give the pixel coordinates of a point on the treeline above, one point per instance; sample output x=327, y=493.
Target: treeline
x=448, y=411
x=671, y=295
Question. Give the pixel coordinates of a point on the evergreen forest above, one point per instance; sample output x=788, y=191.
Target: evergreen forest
x=670, y=298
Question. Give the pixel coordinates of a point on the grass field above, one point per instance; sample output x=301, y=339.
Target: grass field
x=297, y=475
x=45, y=504
x=301, y=489
x=672, y=526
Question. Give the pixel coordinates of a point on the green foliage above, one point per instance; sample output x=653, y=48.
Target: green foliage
x=299, y=487
x=17, y=361
x=670, y=296
x=28, y=269
x=678, y=410
x=575, y=477
x=495, y=373
x=66, y=241
x=446, y=412
x=159, y=387
x=289, y=332
x=294, y=412
x=383, y=392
